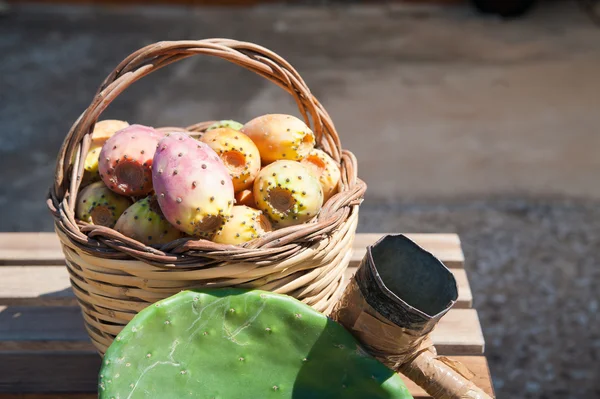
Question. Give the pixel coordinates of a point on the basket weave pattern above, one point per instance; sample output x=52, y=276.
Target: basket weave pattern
x=114, y=277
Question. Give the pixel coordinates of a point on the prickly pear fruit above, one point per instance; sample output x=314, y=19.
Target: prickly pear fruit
x=244, y=224
x=324, y=168
x=245, y=197
x=144, y=221
x=96, y=204
x=225, y=123
x=280, y=136
x=125, y=162
x=192, y=185
x=233, y=343
x=288, y=193
x=238, y=153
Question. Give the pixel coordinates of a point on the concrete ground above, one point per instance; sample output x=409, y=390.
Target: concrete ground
x=460, y=123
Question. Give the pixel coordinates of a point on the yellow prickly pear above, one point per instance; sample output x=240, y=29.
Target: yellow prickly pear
x=96, y=204
x=288, y=193
x=244, y=224
x=145, y=222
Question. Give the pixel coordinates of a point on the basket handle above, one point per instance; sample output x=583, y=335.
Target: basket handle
x=155, y=56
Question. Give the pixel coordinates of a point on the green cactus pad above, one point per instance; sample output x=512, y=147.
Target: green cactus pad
x=232, y=343
x=225, y=123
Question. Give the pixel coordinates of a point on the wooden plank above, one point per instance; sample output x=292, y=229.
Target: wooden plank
x=30, y=249
x=44, y=248
x=29, y=373
x=61, y=328
x=35, y=286
x=49, y=286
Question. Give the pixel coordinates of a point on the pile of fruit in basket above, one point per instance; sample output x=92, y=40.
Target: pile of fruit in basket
x=231, y=184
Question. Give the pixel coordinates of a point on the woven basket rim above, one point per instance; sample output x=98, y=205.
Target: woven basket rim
x=193, y=252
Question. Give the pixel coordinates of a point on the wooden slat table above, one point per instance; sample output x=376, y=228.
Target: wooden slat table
x=45, y=352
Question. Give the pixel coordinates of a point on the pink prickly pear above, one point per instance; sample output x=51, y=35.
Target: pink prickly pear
x=238, y=153
x=125, y=162
x=288, y=193
x=193, y=186
x=244, y=224
x=324, y=168
x=144, y=221
x=96, y=204
x=280, y=136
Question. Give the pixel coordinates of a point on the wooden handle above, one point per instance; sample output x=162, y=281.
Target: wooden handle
x=440, y=379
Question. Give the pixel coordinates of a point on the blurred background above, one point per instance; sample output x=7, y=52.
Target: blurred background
x=480, y=118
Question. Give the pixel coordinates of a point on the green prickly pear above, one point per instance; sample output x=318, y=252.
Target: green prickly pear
x=288, y=193
x=98, y=205
x=280, y=136
x=144, y=221
x=225, y=123
x=244, y=224
x=193, y=186
x=125, y=162
x=234, y=343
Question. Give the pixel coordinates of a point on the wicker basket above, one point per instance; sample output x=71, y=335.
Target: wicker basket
x=114, y=277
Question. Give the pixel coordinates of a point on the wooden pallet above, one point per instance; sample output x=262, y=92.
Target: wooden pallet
x=45, y=352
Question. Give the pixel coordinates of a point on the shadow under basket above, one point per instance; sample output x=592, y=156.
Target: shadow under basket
x=114, y=277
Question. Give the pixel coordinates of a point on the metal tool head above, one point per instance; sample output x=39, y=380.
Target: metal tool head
x=416, y=287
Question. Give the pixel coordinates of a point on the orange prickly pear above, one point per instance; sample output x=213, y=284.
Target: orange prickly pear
x=245, y=197
x=325, y=169
x=238, y=153
x=280, y=136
